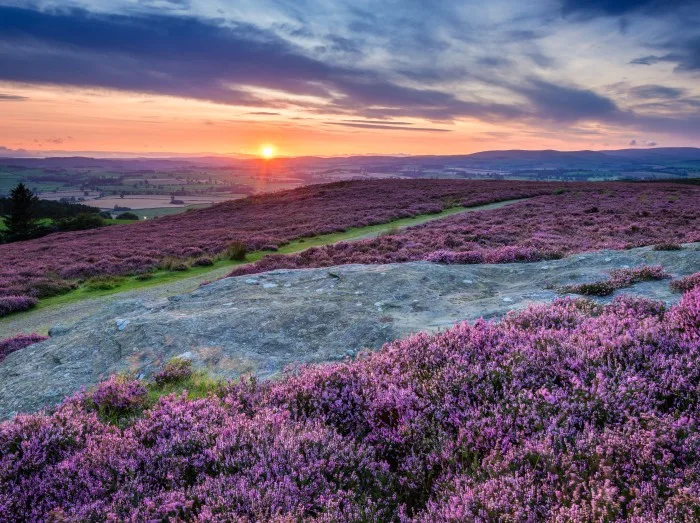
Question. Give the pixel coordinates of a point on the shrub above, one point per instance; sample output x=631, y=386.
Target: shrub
x=236, y=251
x=10, y=345
x=127, y=216
x=596, y=288
x=171, y=263
x=686, y=284
x=175, y=370
x=667, y=247
x=619, y=279
x=203, y=261
x=47, y=287
x=10, y=304
x=103, y=283
x=81, y=222
x=118, y=396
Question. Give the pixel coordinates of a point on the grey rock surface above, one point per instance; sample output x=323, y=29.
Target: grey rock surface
x=260, y=324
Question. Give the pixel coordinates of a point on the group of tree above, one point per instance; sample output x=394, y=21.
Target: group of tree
x=26, y=216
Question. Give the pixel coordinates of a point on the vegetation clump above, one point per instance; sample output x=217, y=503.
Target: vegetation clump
x=127, y=216
x=619, y=279
x=15, y=343
x=236, y=251
x=103, y=283
x=203, y=261
x=667, y=247
x=10, y=304
x=686, y=284
x=175, y=370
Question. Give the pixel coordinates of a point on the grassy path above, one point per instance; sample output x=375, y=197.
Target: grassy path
x=79, y=303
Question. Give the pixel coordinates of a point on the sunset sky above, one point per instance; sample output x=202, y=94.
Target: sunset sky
x=346, y=77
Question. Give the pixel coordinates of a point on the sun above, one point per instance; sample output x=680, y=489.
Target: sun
x=267, y=151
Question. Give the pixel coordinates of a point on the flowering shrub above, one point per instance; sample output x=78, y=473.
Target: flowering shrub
x=259, y=222
x=545, y=227
x=177, y=369
x=18, y=342
x=667, y=247
x=118, y=395
x=570, y=411
x=619, y=279
x=10, y=304
x=687, y=283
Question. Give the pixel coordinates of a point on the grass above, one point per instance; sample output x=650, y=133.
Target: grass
x=199, y=274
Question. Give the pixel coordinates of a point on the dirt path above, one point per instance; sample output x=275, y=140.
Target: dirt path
x=42, y=319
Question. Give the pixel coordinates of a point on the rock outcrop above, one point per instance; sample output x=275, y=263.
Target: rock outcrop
x=260, y=324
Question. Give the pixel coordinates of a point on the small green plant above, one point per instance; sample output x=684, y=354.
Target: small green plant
x=597, y=288
x=103, y=283
x=236, y=251
x=144, y=276
x=171, y=263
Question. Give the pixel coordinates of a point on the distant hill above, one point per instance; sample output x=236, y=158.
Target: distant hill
x=662, y=161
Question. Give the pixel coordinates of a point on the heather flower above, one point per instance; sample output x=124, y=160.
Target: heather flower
x=15, y=343
x=10, y=304
x=175, y=370
x=568, y=411
x=687, y=283
x=119, y=394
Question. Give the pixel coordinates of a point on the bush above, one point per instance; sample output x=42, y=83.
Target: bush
x=144, y=276
x=171, y=263
x=103, y=283
x=10, y=345
x=236, y=251
x=127, y=216
x=203, y=261
x=47, y=287
x=82, y=222
x=686, y=284
x=596, y=288
x=667, y=247
x=118, y=396
x=10, y=304
x=619, y=279
x=174, y=371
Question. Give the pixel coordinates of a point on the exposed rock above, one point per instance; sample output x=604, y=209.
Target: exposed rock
x=243, y=325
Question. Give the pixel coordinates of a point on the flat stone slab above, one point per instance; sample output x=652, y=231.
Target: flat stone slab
x=261, y=323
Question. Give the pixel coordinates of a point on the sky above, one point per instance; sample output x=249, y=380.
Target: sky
x=331, y=77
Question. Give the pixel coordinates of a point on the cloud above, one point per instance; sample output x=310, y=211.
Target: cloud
x=590, y=8
x=390, y=127
x=567, y=103
x=205, y=59
x=650, y=92
x=12, y=98
x=646, y=60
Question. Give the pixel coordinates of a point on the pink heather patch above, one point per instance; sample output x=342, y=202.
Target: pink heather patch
x=260, y=222
x=10, y=304
x=687, y=283
x=119, y=394
x=586, y=217
x=570, y=411
x=10, y=345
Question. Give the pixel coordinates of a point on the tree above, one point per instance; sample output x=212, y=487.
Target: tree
x=21, y=223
